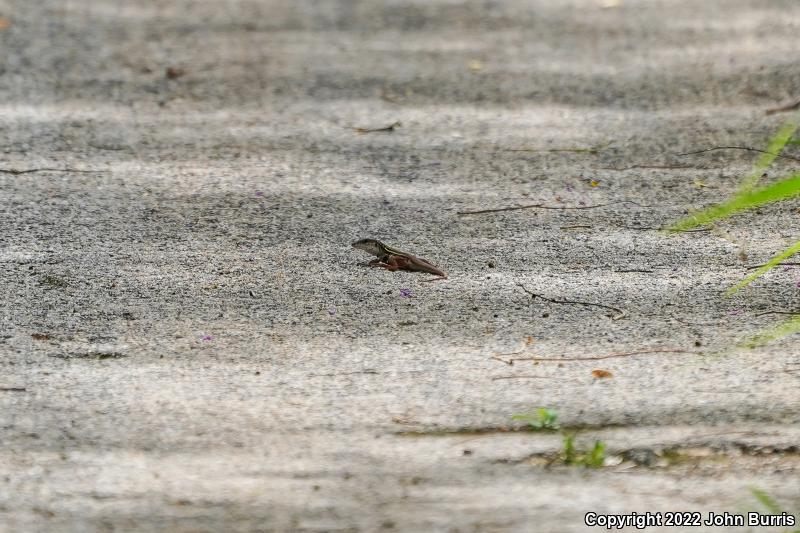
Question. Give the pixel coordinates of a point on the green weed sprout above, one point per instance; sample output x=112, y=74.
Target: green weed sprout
x=594, y=459
x=544, y=420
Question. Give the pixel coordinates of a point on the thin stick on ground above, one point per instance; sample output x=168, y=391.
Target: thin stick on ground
x=542, y=206
x=651, y=228
x=522, y=376
x=780, y=109
x=497, y=355
x=369, y=371
x=591, y=150
x=748, y=148
x=752, y=267
x=778, y=313
x=656, y=167
x=533, y=295
x=386, y=129
x=596, y=357
x=530, y=206
x=16, y=171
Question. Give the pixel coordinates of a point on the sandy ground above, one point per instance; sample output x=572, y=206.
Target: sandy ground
x=188, y=343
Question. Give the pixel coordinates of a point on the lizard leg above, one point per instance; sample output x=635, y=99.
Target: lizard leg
x=377, y=263
x=388, y=264
x=399, y=262
x=395, y=263
x=391, y=263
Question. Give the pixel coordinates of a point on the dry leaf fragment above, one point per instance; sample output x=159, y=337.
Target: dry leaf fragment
x=476, y=65
x=173, y=73
x=390, y=128
x=4, y=23
x=598, y=373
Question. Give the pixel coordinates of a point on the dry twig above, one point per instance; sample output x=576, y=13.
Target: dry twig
x=650, y=228
x=530, y=206
x=779, y=264
x=596, y=357
x=542, y=206
x=620, y=312
x=780, y=109
x=658, y=167
x=778, y=313
x=594, y=150
x=522, y=376
x=749, y=149
x=387, y=129
x=356, y=372
x=16, y=171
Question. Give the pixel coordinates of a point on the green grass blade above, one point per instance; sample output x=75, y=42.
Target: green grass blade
x=766, y=500
x=776, y=144
x=781, y=330
x=772, y=263
x=569, y=449
x=598, y=455
x=781, y=190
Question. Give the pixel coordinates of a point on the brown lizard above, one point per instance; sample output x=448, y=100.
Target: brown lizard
x=393, y=259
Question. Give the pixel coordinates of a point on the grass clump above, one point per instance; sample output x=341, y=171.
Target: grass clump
x=544, y=420
x=592, y=459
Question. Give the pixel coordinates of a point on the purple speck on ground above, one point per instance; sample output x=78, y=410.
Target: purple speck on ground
x=332, y=311
x=259, y=193
x=208, y=338
x=735, y=312
x=405, y=293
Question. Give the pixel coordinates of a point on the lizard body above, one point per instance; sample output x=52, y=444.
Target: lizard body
x=393, y=259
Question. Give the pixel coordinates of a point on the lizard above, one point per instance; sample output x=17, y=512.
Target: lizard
x=393, y=259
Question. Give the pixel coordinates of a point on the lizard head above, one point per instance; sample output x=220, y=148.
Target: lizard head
x=370, y=246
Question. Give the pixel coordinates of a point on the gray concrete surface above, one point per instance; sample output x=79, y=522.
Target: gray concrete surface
x=188, y=343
